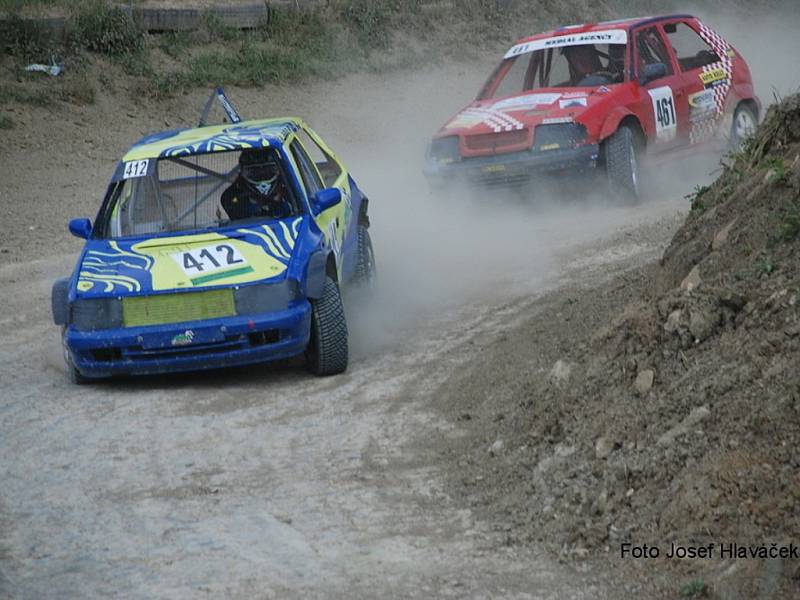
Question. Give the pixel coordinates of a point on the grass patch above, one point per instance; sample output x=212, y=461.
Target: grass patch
x=6, y=122
x=335, y=38
x=25, y=95
x=696, y=589
x=790, y=225
x=105, y=29
x=766, y=266
x=696, y=197
x=15, y=6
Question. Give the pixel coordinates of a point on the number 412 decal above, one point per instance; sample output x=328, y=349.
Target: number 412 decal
x=209, y=259
x=135, y=168
x=664, y=113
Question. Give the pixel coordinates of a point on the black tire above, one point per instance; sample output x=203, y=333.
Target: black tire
x=744, y=126
x=327, y=351
x=622, y=164
x=73, y=375
x=366, y=273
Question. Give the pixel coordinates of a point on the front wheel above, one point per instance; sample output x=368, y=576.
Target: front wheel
x=327, y=351
x=622, y=164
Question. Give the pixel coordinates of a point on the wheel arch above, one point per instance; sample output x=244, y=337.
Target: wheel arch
x=331, y=269
x=623, y=118
x=363, y=212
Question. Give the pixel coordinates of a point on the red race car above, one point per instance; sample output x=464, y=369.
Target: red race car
x=599, y=96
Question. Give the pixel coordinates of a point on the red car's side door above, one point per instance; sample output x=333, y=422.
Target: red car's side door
x=706, y=73
x=666, y=107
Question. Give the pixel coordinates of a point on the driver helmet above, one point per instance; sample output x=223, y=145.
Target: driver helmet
x=260, y=170
x=583, y=59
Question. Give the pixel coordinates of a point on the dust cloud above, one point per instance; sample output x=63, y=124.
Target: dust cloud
x=437, y=253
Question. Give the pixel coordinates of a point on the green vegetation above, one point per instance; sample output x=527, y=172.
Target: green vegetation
x=6, y=122
x=334, y=38
x=105, y=29
x=696, y=197
x=765, y=266
x=696, y=589
x=790, y=225
x=776, y=171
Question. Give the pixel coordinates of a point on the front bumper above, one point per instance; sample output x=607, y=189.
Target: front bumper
x=191, y=346
x=513, y=168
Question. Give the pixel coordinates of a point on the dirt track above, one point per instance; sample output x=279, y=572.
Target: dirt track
x=266, y=482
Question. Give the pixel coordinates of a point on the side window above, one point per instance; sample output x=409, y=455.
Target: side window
x=327, y=165
x=308, y=173
x=692, y=50
x=651, y=50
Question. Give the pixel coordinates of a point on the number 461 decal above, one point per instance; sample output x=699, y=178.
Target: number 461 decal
x=664, y=113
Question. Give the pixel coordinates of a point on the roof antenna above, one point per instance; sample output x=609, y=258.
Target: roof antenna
x=219, y=95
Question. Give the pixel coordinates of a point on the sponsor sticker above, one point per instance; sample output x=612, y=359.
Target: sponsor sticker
x=702, y=106
x=183, y=339
x=557, y=120
x=573, y=102
x=713, y=77
x=611, y=36
x=525, y=102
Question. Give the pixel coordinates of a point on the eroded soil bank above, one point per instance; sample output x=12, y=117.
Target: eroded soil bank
x=662, y=407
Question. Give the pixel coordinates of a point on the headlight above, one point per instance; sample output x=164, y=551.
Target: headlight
x=561, y=135
x=445, y=150
x=96, y=313
x=265, y=297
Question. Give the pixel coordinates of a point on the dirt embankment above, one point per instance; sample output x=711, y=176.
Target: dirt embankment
x=676, y=419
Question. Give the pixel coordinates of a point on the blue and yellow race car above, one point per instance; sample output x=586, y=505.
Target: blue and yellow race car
x=217, y=246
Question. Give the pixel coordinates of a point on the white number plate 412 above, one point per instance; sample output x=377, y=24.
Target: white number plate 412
x=209, y=259
x=135, y=168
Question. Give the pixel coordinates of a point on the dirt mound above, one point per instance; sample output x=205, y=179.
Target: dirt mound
x=677, y=422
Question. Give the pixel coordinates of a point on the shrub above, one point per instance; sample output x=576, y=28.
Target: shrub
x=106, y=29
x=26, y=39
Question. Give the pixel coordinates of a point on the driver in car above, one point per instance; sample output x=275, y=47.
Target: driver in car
x=586, y=68
x=583, y=62
x=259, y=190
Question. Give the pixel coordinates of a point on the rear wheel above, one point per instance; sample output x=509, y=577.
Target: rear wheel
x=327, y=351
x=744, y=126
x=622, y=164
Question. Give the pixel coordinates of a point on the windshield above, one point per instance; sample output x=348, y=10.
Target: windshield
x=204, y=191
x=584, y=65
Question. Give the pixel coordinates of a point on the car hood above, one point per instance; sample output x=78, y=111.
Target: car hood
x=525, y=111
x=233, y=256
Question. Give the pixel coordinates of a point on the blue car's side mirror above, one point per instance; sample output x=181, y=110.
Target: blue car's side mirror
x=325, y=199
x=81, y=228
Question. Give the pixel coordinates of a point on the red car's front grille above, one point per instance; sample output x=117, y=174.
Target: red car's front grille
x=491, y=143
